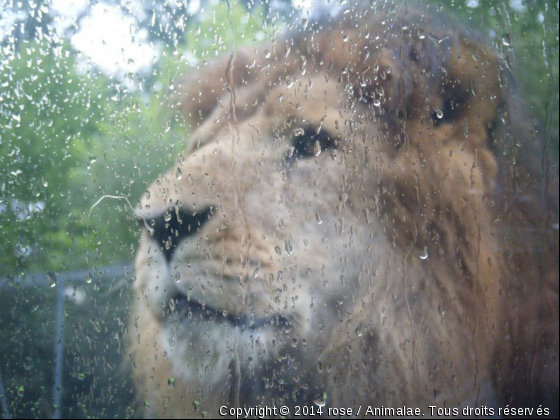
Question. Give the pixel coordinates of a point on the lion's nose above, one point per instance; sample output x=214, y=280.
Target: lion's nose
x=175, y=225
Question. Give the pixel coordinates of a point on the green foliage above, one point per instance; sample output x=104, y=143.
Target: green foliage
x=139, y=142
x=224, y=27
x=218, y=29
x=48, y=116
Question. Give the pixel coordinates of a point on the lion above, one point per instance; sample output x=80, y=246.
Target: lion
x=360, y=219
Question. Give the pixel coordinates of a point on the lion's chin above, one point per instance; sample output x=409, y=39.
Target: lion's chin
x=207, y=349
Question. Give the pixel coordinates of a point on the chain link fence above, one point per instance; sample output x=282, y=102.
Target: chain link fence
x=81, y=316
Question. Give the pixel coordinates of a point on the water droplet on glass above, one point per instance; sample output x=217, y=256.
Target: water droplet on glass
x=506, y=42
x=317, y=148
x=299, y=132
x=424, y=253
x=465, y=130
x=439, y=113
x=179, y=174
x=360, y=330
x=52, y=280
x=318, y=219
x=288, y=247
x=321, y=401
x=290, y=152
x=171, y=382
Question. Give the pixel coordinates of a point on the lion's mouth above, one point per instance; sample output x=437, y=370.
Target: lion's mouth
x=184, y=308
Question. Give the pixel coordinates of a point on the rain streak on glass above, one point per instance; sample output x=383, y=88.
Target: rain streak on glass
x=277, y=203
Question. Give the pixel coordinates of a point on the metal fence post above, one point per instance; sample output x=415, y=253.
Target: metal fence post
x=4, y=401
x=59, y=347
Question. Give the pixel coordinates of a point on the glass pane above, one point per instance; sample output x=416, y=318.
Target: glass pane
x=278, y=208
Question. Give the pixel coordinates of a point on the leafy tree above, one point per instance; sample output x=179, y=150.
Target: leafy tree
x=140, y=141
x=48, y=115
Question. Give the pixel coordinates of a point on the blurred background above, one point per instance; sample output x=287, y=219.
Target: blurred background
x=85, y=126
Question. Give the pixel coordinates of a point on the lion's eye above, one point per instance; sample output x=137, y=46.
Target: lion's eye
x=310, y=142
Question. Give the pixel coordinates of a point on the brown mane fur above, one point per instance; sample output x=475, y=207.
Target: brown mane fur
x=468, y=189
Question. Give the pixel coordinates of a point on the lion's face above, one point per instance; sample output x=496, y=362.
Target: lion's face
x=281, y=235
x=329, y=230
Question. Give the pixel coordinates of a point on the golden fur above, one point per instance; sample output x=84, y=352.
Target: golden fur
x=415, y=263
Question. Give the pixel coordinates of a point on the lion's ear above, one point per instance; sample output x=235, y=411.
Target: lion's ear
x=472, y=92
x=200, y=91
x=452, y=86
